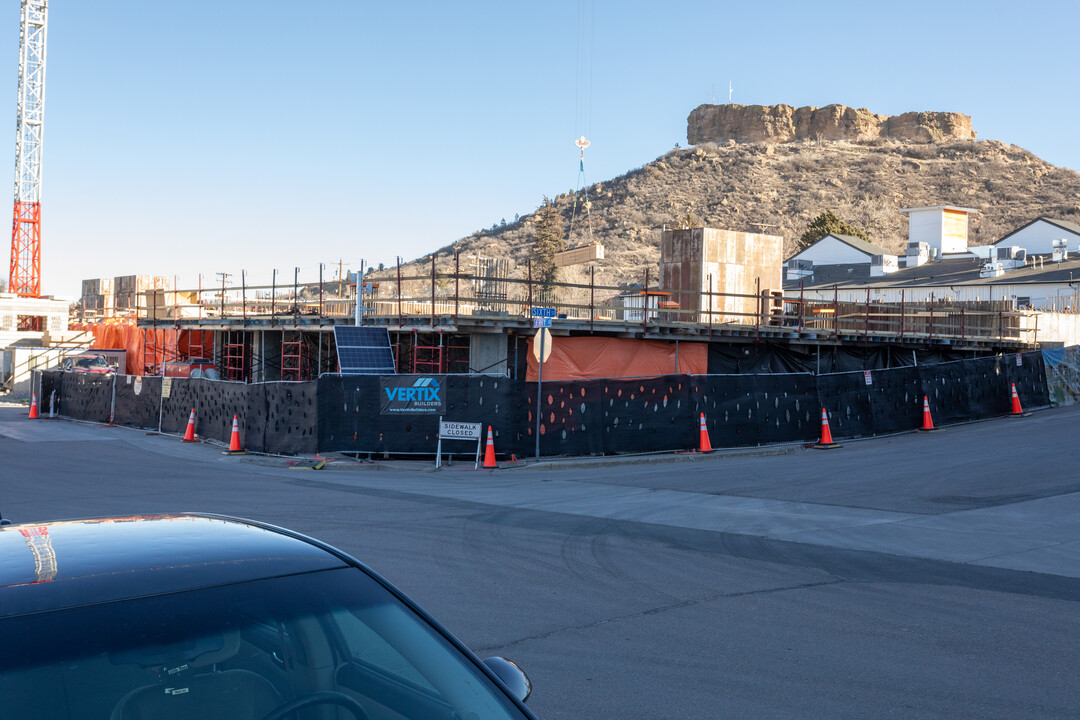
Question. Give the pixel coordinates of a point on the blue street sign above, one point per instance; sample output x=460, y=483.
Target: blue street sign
x=540, y=322
x=538, y=312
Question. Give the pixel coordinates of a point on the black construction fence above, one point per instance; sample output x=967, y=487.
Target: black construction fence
x=276, y=417
x=581, y=417
x=351, y=417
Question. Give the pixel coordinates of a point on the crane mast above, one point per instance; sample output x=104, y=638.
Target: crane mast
x=25, y=277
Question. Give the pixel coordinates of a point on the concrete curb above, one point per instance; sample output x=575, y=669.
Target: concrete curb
x=342, y=463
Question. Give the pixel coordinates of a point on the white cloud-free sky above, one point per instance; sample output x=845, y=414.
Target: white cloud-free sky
x=212, y=136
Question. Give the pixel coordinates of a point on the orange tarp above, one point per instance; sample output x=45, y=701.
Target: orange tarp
x=121, y=334
x=585, y=358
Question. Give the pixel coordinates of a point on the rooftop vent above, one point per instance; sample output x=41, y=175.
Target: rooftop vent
x=881, y=265
x=992, y=270
x=1061, y=250
x=1011, y=257
x=918, y=253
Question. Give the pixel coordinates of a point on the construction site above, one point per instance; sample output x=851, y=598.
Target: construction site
x=537, y=359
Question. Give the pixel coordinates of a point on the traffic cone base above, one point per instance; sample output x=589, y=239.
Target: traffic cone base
x=826, y=441
x=234, y=440
x=703, y=444
x=189, y=434
x=33, y=407
x=489, y=451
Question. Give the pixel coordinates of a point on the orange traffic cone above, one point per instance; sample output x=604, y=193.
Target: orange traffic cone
x=33, y=407
x=1017, y=411
x=927, y=421
x=826, y=441
x=234, y=441
x=704, y=444
x=189, y=435
x=489, y=452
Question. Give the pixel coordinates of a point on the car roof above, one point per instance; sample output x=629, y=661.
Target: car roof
x=48, y=566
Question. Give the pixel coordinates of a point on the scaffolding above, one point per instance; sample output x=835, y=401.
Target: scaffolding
x=197, y=349
x=457, y=354
x=294, y=364
x=150, y=351
x=428, y=359
x=235, y=356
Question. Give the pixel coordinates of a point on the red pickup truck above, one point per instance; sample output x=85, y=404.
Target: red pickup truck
x=193, y=368
x=86, y=363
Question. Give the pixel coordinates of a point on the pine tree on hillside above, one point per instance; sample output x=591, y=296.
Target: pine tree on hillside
x=824, y=224
x=548, y=240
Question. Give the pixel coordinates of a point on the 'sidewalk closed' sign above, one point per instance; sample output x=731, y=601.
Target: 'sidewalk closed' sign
x=412, y=395
x=460, y=430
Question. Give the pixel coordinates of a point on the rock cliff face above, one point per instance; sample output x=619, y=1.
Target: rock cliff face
x=783, y=124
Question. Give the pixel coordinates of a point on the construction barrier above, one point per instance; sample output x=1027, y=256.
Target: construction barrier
x=278, y=417
x=745, y=410
x=889, y=402
x=1063, y=374
x=138, y=400
x=576, y=417
x=352, y=415
x=85, y=396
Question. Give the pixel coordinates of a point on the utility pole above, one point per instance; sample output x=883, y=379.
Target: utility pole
x=224, y=277
x=25, y=276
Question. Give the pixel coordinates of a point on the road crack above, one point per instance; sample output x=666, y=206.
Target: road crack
x=656, y=611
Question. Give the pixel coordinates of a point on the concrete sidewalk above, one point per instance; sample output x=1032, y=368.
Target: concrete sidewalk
x=1038, y=536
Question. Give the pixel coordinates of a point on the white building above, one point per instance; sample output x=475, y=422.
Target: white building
x=944, y=228
x=23, y=350
x=1038, y=236
x=838, y=250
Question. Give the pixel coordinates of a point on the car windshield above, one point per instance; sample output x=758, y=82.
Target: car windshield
x=91, y=362
x=241, y=651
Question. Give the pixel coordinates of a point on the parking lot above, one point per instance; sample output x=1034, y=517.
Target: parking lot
x=906, y=576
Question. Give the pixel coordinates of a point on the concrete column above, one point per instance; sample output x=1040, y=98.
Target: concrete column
x=487, y=352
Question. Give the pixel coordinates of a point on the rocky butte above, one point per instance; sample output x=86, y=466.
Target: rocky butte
x=784, y=124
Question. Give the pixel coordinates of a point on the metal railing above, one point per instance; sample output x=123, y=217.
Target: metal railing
x=442, y=296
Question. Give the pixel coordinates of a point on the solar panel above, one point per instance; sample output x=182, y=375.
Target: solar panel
x=364, y=350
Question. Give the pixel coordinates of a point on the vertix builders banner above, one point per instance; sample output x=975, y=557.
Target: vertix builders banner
x=412, y=395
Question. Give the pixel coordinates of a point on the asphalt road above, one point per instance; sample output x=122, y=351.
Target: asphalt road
x=915, y=576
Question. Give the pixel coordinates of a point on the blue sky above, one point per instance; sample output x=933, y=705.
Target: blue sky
x=218, y=136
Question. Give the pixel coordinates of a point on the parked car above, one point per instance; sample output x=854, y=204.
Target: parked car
x=208, y=617
x=87, y=363
x=193, y=368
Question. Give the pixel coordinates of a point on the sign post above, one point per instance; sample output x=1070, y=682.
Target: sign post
x=458, y=431
x=541, y=351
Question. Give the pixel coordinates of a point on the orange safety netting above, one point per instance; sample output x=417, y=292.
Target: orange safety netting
x=166, y=344
x=585, y=358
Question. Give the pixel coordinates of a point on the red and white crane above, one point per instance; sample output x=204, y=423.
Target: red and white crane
x=25, y=277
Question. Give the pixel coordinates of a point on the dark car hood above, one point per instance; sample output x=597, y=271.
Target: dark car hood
x=68, y=563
